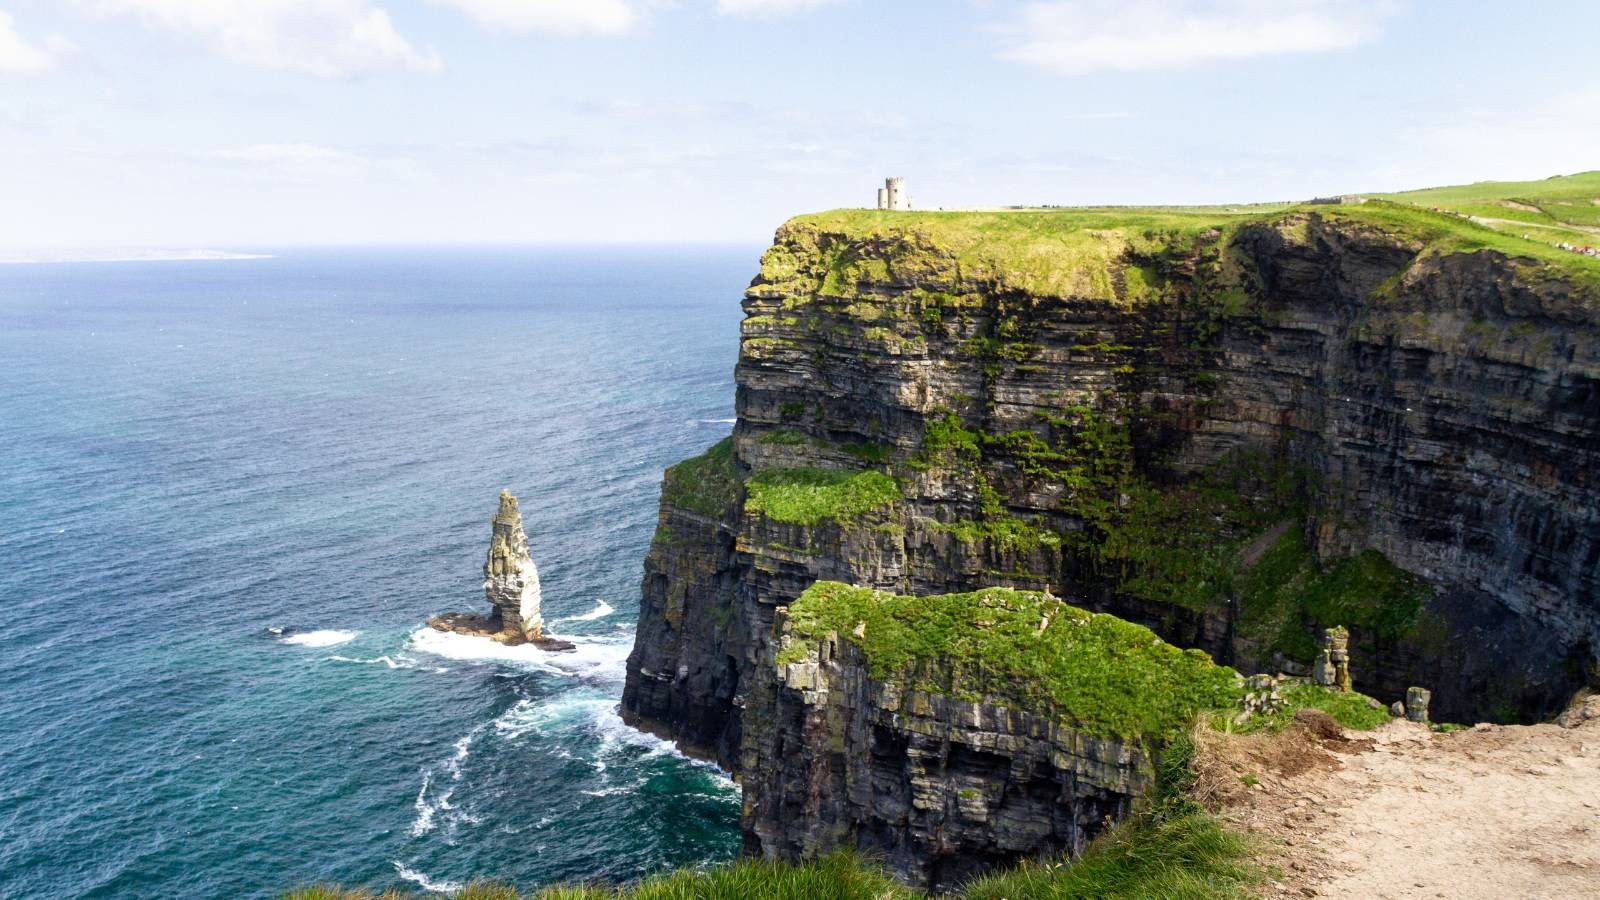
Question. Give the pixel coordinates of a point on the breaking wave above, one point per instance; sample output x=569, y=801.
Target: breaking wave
x=601, y=610
x=427, y=807
x=327, y=637
x=424, y=882
x=594, y=659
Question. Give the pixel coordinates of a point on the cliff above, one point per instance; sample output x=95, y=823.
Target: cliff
x=950, y=735
x=1234, y=428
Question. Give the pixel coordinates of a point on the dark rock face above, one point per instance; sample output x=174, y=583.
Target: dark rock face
x=941, y=790
x=1446, y=410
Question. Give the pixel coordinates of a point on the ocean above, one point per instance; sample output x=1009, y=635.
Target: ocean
x=198, y=452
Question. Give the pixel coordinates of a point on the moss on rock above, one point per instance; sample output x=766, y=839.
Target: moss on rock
x=1106, y=676
x=813, y=496
x=707, y=484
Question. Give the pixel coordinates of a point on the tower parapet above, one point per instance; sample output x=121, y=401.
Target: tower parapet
x=893, y=194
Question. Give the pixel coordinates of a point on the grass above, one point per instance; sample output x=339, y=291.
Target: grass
x=814, y=496
x=1351, y=709
x=1006, y=533
x=707, y=484
x=1185, y=857
x=1108, y=677
x=1443, y=234
x=1057, y=252
x=1564, y=201
x=1188, y=857
x=1092, y=252
x=1287, y=596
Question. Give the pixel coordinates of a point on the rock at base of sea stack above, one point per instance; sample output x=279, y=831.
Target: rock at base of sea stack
x=511, y=584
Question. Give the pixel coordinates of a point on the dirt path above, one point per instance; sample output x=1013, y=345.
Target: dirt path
x=1402, y=812
x=1490, y=220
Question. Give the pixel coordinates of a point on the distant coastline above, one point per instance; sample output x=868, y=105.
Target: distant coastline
x=83, y=256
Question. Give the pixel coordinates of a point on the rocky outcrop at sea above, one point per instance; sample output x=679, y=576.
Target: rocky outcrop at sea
x=511, y=584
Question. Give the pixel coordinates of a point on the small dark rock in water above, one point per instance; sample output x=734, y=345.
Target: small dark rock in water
x=511, y=583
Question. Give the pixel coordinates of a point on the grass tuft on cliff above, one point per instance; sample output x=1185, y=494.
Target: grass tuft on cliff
x=1109, y=677
x=1188, y=857
x=707, y=484
x=814, y=496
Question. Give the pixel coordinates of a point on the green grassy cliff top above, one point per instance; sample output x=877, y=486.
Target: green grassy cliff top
x=1071, y=252
x=1566, y=202
x=1107, y=676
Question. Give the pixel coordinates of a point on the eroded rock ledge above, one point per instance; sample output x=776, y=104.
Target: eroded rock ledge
x=995, y=726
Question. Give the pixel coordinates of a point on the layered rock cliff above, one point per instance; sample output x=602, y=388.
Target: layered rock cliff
x=950, y=735
x=1235, y=430
x=510, y=584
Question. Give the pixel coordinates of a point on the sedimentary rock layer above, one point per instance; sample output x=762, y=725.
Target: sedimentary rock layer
x=1237, y=435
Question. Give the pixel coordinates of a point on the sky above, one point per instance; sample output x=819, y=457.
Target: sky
x=255, y=123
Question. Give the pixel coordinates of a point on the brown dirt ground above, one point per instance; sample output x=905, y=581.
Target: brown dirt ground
x=1491, y=813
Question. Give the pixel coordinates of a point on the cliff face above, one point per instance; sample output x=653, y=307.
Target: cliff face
x=950, y=735
x=1233, y=432
x=939, y=789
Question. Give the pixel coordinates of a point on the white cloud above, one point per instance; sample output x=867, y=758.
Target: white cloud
x=567, y=16
x=328, y=38
x=1075, y=36
x=17, y=55
x=767, y=7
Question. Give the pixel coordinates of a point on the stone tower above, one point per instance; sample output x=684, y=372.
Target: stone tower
x=510, y=580
x=895, y=189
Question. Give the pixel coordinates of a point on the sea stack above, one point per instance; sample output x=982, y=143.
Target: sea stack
x=511, y=583
x=510, y=580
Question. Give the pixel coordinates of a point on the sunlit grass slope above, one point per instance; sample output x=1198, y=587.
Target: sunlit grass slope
x=1569, y=203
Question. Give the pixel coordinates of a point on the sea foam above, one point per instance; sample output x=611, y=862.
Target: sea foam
x=424, y=882
x=601, y=610
x=594, y=658
x=326, y=637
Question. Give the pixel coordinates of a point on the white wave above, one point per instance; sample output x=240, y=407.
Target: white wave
x=594, y=658
x=385, y=659
x=551, y=716
x=424, y=882
x=423, y=823
x=600, y=611
x=426, y=808
x=327, y=637
x=609, y=792
x=471, y=648
x=463, y=747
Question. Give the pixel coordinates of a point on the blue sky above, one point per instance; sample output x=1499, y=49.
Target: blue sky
x=134, y=123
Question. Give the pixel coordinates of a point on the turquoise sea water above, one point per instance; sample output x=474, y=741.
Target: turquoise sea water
x=196, y=452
